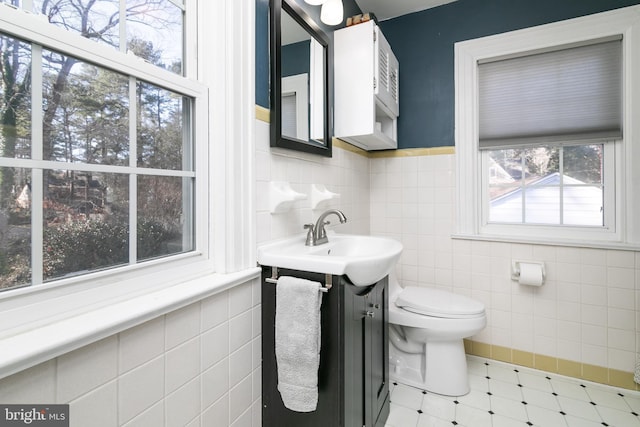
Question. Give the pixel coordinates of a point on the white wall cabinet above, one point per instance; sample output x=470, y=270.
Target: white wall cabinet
x=366, y=87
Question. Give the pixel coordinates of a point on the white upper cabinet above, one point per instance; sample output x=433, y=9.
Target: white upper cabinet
x=366, y=87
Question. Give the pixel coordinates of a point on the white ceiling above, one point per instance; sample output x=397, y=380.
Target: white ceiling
x=385, y=9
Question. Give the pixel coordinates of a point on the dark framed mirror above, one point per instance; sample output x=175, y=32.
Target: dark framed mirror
x=300, y=80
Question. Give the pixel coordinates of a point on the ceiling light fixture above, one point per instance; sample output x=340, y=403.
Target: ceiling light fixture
x=332, y=12
x=315, y=2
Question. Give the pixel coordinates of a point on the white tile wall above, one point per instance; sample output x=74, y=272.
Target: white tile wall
x=186, y=368
x=587, y=311
x=345, y=173
x=201, y=365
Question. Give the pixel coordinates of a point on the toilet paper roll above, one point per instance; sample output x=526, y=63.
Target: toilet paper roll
x=531, y=274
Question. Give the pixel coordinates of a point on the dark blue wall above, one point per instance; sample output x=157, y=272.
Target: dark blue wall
x=296, y=58
x=423, y=43
x=262, y=53
x=262, y=40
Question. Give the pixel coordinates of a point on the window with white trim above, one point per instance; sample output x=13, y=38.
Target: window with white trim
x=97, y=138
x=543, y=136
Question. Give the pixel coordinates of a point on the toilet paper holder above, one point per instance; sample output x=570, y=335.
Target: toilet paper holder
x=516, y=269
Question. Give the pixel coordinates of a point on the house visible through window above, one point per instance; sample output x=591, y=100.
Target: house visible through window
x=544, y=133
x=96, y=149
x=559, y=185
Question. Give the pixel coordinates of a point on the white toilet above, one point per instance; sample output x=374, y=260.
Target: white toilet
x=426, y=328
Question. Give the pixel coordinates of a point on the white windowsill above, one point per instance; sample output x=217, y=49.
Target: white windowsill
x=28, y=348
x=549, y=242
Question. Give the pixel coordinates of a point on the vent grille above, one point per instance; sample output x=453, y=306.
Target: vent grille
x=383, y=67
x=393, y=87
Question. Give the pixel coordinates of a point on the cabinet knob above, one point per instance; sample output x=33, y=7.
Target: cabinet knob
x=370, y=314
x=376, y=306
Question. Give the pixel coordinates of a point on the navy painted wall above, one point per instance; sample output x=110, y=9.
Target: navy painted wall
x=296, y=58
x=262, y=40
x=423, y=42
x=262, y=53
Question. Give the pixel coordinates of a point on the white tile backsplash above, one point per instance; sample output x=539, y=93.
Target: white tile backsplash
x=140, y=389
x=82, y=370
x=36, y=384
x=98, y=408
x=240, y=364
x=140, y=344
x=587, y=311
x=200, y=365
x=182, y=364
x=183, y=405
x=182, y=325
x=131, y=380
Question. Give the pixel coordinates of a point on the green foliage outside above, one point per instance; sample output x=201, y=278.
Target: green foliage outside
x=82, y=246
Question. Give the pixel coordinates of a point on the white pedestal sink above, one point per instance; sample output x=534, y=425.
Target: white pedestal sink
x=363, y=259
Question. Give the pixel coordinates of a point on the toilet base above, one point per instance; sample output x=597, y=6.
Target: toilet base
x=441, y=368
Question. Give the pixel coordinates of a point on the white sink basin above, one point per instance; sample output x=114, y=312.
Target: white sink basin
x=363, y=259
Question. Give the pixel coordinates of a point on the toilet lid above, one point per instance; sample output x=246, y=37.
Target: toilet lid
x=437, y=303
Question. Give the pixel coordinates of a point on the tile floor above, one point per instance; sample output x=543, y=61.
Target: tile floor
x=504, y=395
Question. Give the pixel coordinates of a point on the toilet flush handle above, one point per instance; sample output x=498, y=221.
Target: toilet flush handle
x=370, y=314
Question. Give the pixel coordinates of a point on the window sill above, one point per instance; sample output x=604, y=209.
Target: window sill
x=28, y=348
x=549, y=242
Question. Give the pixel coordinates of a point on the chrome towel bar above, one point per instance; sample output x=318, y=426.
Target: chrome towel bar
x=274, y=279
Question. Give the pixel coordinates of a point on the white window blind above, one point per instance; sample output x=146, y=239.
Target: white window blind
x=569, y=94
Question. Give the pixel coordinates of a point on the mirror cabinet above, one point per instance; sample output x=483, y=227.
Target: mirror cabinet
x=300, y=95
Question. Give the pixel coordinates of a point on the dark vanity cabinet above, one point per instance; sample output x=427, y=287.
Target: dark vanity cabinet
x=353, y=377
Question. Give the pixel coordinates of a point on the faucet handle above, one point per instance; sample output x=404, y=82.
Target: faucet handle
x=310, y=241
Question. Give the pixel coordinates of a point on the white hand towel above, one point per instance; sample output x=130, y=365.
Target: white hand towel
x=297, y=334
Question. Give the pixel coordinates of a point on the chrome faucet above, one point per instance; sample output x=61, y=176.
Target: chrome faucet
x=317, y=234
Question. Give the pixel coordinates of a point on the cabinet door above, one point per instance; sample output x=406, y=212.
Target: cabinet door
x=376, y=356
x=386, y=73
x=330, y=371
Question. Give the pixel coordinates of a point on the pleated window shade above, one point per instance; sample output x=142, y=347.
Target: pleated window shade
x=571, y=94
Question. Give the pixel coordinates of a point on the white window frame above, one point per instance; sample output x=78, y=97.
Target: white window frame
x=471, y=221
x=611, y=151
x=41, y=322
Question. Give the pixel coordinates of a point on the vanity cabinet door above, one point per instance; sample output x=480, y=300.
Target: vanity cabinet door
x=366, y=354
x=376, y=360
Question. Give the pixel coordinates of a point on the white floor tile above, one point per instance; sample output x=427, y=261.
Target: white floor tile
x=614, y=417
x=439, y=407
x=502, y=373
x=401, y=416
x=508, y=408
x=478, y=383
x=476, y=399
x=549, y=401
x=581, y=422
x=539, y=398
x=609, y=398
x=471, y=417
x=632, y=400
x=569, y=389
x=477, y=366
x=426, y=420
x=500, y=421
x=509, y=390
x=534, y=381
x=544, y=417
x=578, y=408
x=409, y=397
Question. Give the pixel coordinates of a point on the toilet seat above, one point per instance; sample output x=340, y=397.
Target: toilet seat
x=437, y=303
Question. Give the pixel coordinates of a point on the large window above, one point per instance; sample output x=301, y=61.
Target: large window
x=97, y=147
x=543, y=133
